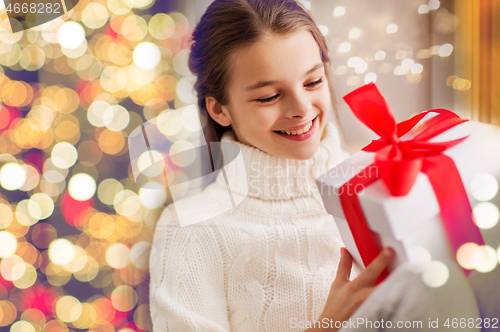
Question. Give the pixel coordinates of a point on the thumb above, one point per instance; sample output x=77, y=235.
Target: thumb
x=344, y=268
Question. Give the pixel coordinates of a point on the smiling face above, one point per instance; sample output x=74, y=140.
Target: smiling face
x=277, y=88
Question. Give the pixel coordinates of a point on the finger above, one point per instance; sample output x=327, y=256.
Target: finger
x=344, y=268
x=372, y=271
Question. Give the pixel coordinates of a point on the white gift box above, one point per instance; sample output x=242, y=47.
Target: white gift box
x=412, y=223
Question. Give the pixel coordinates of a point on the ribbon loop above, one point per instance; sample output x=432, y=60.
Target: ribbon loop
x=373, y=111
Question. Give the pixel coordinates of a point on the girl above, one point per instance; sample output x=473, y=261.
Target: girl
x=276, y=261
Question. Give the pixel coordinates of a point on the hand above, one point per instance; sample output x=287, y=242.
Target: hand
x=346, y=296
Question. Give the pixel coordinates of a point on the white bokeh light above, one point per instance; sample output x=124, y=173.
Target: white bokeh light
x=344, y=47
x=61, y=251
x=488, y=261
x=417, y=68
x=147, y=55
x=180, y=62
x=95, y=113
x=116, y=118
x=184, y=89
x=434, y=4
x=81, y=186
x=190, y=118
x=370, y=78
x=354, y=33
x=445, y=50
x=153, y=195
x=45, y=204
x=9, y=244
x=323, y=29
x=484, y=187
x=436, y=274
x=118, y=255
x=339, y=11
x=486, y=215
x=182, y=153
x=12, y=176
x=380, y=55
x=391, y=28
x=139, y=254
x=151, y=163
x=407, y=64
x=469, y=255
x=64, y=155
x=71, y=35
x=423, y=9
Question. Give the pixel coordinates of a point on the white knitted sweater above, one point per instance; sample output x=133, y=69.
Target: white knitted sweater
x=259, y=266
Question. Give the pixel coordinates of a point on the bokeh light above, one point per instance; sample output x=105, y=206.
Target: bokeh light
x=354, y=33
x=339, y=11
x=61, y=251
x=445, y=50
x=64, y=155
x=68, y=308
x=81, y=186
x=12, y=176
x=147, y=55
x=344, y=47
x=486, y=215
x=469, y=255
x=488, y=260
x=153, y=195
x=484, y=187
x=392, y=28
x=118, y=255
x=9, y=244
x=436, y=274
x=71, y=35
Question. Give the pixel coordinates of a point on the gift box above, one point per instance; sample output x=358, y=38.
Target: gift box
x=414, y=188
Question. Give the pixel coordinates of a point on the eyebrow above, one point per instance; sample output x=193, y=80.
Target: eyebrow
x=266, y=83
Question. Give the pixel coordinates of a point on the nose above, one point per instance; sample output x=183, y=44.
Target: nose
x=299, y=105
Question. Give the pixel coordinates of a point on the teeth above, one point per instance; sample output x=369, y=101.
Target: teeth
x=299, y=131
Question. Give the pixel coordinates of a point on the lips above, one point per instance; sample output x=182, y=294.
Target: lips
x=311, y=128
x=297, y=130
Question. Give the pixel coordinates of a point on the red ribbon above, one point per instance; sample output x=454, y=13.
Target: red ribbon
x=398, y=163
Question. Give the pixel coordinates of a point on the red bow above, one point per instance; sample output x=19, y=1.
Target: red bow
x=398, y=163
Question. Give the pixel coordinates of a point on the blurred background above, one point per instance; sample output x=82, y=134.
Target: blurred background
x=76, y=228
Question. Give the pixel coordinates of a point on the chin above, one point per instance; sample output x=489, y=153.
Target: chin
x=302, y=155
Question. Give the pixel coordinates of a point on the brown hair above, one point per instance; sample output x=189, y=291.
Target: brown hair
x=229, y=24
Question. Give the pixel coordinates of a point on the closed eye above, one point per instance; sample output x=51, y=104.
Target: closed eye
x=267, y=100
x=314, y=83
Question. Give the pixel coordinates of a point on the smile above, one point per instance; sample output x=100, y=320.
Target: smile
x=298, y=131
x=301, y=133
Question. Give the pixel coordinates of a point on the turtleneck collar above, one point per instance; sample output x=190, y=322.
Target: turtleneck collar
x=273, y=178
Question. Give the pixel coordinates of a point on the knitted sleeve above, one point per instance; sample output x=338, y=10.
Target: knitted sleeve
x=187, y=278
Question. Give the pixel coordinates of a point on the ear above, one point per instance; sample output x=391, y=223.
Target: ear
x=218, y=112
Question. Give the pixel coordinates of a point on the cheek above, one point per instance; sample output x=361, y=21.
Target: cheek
x=262, y=121
x=325, y=97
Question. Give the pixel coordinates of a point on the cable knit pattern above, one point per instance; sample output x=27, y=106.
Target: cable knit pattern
x=259, y=266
